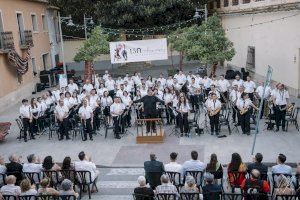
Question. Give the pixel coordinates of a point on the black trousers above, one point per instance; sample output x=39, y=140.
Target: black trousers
x=111, y=93
x=245, y=122
x=235, y=114
x=128, y=118
x=118, y=125
x=280, y=116
x=64, y=128
x=96, y=120
x=214, y=123
x=27, y=126
x=183, y=122
x=251, y=96
x=169, y=114
x=149, y=123
x=87, y=127
x=195, y=102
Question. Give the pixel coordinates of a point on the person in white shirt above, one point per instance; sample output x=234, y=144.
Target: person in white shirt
x=237, y=81
x=223, y=86
x=106, y=102
x=149, y=82
x=244, y=104
x=10, y=188
x=35, y=110
x=206, y=82
x=193, y=165
x=33, y=165
x=126, y=100
x=106, y=75
x=56, y=93
x=162, y=80
x=193, y=87
x=86, y=164
x=87, y=86
x=128, y=88
x=119, y=82
x=27, y=189
x=249, y=86
x=169, y=82
x=73, y=87
x=173, y=166
x=86, y=115
x=281, y=100
x=68, y=100
x=110, y=85
x=214, y=90
x=183, y=109
x=94, y=103
x=263, y=96
x=76, y=100
x=116, y=111
x=61, y=114
x=181, y=78
x=101, y=90
x=42, y=106
x=26, y=115
x=234, y=96
x=2, y=169
x=168, y=98
x=176, y=85
x=214, y=108
x=143, y=89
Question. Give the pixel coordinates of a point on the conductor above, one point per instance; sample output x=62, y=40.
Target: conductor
x=150, y=111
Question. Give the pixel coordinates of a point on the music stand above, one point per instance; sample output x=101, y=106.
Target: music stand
x=121, y=121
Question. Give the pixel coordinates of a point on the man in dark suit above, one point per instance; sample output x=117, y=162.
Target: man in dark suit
x=153, y=171
x=210, y=187
x=263, y=169
x=150, y=111
x=14, y=167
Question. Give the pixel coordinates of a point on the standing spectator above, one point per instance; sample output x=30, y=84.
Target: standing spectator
x=10, y=188
x=27, y=188
x=214, y=167
x=153, y=170
x=236, y=170
x=281, y=168
x=14, y=167
x=173, y=166
x=142, y=192
x=166, y=186
x=194, y=164
x=263, y=169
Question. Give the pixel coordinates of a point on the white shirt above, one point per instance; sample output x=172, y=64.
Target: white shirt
x=32, y=192
x=245, y=104
x=193, y=87
x=128, y=88
x=159, y=95
x=10, y=189
x=76, y=101
x=48, y=101
x=173, y=167
x=42, y=107
x=116, y=109
x=184, y=108
x=93, y=101
x=110, y=84
x=25, y=111
x=85, y=112
x=101, y=91
x=143, y=92
x=239, y=83
x=162, y=81
x=234, y=95
x=206, y=82
x=189, y=78
x=149, y=83
x=69, y=102
x=281, y=97
x=61, y=110
x=105, y=77
x=56, y=94
x=137, y=80
x=106, y=101
x=32, y=167
x=126, y=100
x=260, y=90
x=216, y=92
x=249, y=86
x=180, y=78
x=35, y=109
x=223, y=85
x=214, y=104
x=87, y=166
x=119, y=93
x=73, y=87
x=88, y=87
x=169, y=83
x=168, y=97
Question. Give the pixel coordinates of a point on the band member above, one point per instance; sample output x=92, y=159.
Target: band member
x=126, y=100
x=180, y=77
x=244, y=105
x=94, y=103
x=206, y=82
x=149, y=82
x=193, y=87
x=249, y=86
x=138, y=106
x=189, y=77
x=150, y=111
x=213, y=108
x=110, y=85
x=73, y=87
x=168, y=98
x=106, y=102
x=101, y=90
x=263, y=96
x=86, y=115
x=183, y=109
x=237, y=81
x=281, y=99
x=214, y=90
x=26, y=115
x=234, y=96
x=169, y=82
x=223, y=86
x=61, y=114
x=116, y=111
x=35, y=115
x=88, y=86
x=162, y=80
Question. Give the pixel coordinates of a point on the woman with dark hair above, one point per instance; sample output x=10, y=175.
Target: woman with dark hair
x=214, y=167
x=35, y=115
x=67, y=164
x=168, y=98
x=236, y=171
x=48, y=164
x=106, y=102
x=183, y=110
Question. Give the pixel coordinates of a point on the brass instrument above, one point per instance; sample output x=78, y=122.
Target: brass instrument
x=290, y=108
x=243, y=111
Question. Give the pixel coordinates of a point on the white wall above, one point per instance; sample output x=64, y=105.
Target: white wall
x=276, y=44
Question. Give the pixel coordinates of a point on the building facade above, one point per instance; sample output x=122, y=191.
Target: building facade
x=24, y=22
x=265, y=33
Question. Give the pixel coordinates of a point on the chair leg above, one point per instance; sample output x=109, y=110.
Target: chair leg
x=229, y=129
x=105, y=132
x=89, y=191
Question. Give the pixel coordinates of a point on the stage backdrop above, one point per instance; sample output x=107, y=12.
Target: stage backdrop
x=138, y=50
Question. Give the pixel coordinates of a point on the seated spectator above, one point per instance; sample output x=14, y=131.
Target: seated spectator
x=281, y=168
x=48, y=164
x=153, y=171
x=236, y=170
x=14, y=167
x=194, y=164
x=33, y=164
x=263, y=169
x=10, y=188
x=214, y=167
x=67, y=164
x=85, y=164
x=45, y=189
x=283, y=186
x=166, y=186
x=297, y=181
x=254, y=184
x=189, y=186
x=2, y=169
x=210, y=186
x=67, y=188
x=173, y=166
x=27, y=188
x=142, y=192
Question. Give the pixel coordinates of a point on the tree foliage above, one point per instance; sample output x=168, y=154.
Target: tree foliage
x=94, y=46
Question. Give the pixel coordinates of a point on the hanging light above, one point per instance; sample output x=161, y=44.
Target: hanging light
x=92, y=22
x=70, y=23
x=196, y=16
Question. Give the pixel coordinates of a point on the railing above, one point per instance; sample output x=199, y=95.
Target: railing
x=6, y=40
x=26, y=39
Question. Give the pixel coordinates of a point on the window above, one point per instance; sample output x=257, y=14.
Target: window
x=211, y=5
x=218, y=3
x=44, y=21
x=45, y=58
x=226, y=3
x=246, y=1
x=250, y=58
x=33, y=66
x=235, y=2
x=21, y=27
x=34, y=23
x=1, y=23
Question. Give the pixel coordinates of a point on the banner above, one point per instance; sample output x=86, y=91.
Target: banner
x=138, y=51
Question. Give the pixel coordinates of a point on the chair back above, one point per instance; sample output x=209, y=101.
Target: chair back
x=141, y=197
x=189, y=196
x=153, y=178
x=27, y=197
x=197, y=175
x=275, y=178
x=2, y=179
x=9, y=197
x=175, y=178
x=84, y=177
x=296, y=113
x=47, y=197
x=212, y=196
x=67, y=197
x=20, y=124
x=233, y=196
x=165, y=196
x=286, y=197
x=34, y=177
x=53, y=176
x=68, y=174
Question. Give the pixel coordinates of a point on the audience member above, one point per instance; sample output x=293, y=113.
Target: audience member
x=48, y=164
x=2, y=169
x=10, y=188
x=173, y=166
x=236, y=170
x=27, y=188
x=143, y=192
x=189, y=186
x=283, y=186
x=254, y=184
x=263, y=169
x=281, y=168
x=214, y=167
x=67, y=188
x=210, y=186
x=166, y=186
x=297, y=181
x=45, y=189
x=153, y=171
x=67, y=164
x=14, y=167
x=33, y=164
x=194, y=164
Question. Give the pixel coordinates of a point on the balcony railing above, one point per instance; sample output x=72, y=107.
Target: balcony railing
x=26, y=39
x=6, y=41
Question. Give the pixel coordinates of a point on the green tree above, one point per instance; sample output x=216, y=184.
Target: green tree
x=94, y=46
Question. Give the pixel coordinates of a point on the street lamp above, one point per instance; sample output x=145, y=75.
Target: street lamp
x=69, y=23
x=87, y=20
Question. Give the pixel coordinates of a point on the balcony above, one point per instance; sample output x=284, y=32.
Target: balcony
x=6, y=41
x=26, y=39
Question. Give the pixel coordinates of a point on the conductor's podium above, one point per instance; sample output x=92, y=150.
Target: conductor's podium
x=152, y=137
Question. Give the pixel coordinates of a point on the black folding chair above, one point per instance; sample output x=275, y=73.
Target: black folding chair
x=286, y=197
x=274, y=180
x=34, y=177
x=47, y=197
x=27, y=197
x=166, y=196
x=212, y=196
x=232, y=196
x=293, y=119
x=175, y=178
x=85, y=180
x=53, y=176
x=9, y=197
x=224, y=119
x=142, y=197
x=197, y=175
x=68, y=174
x=67, y=197
x=21, y=128
x=189, y=196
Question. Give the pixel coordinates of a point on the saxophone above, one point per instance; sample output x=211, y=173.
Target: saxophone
x=243, y=111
